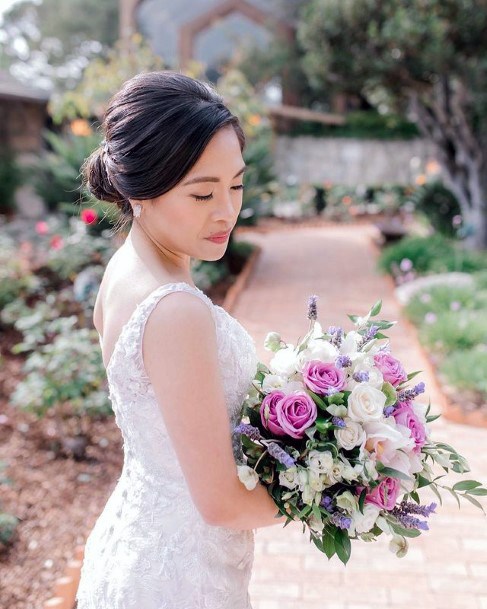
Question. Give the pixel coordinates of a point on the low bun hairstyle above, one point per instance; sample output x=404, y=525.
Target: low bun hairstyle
x=156, y=128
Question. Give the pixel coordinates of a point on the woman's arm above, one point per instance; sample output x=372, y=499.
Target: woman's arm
x=180, y=357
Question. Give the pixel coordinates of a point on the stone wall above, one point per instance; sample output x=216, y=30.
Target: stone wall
x=350, y=161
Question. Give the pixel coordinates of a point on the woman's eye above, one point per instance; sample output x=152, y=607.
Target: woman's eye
x=210, y=196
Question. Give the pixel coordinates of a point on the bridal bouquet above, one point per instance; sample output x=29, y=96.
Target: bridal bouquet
x=334, y=430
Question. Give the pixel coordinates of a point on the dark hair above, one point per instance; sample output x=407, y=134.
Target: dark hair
x=156, y=128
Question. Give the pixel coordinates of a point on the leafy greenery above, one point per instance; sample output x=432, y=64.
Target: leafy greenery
x=433, y=253
x=455, y=330
x=439, y=205
x=10, y=180
x=466, y=369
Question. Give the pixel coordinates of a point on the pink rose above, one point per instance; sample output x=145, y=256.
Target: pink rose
x=385, y=494
x=391, y=368
x=323, y=378
x=404, y=415
x=268, y=412
x=295, y=413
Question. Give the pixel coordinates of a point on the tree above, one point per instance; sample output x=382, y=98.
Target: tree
x=427, y=58
x=50, y=43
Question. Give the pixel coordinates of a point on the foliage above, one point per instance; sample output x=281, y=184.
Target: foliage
x=104, y=76
x=49, y=43
x=360, y=124
x=56, y=175
x=466, y=369
x=15, y=279
x=455, y=330
x=440, y=299
x=433, y=253
x=54, y=378
x=423, y=58
x=10, y=180
x=8, y=527
x=439, y=205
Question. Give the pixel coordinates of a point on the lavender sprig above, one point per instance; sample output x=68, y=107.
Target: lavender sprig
x=410, y=394
x=403, y=512
x=248, y=430
x=340, y=520
x=312, y=308
x=361, y=376
x=336, y=335
x=338, y=422
x=368, y=336
x=280, y=454
x=343, y=361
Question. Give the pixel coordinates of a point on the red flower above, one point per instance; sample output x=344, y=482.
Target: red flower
x=89, y=216
x=42, y=228
x=57, y=242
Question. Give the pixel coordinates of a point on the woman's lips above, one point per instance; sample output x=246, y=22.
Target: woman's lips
x=219, y=239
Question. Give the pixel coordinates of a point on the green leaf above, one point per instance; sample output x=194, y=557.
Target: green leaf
x=415, y=497
x=317, y=400
x=422, y=481
x=475, y=502
x=323, y=425
x=375, y=310
x=411, y=375
x=404, y=532
x=393, y=473
x=318, y=543
x=361, y=500
x=466, y=485
x=454, y=494
x=432, y=418
x=478, y=491
x=390, y=393
x=328, y=541
x=336, y=398
x=437, y=493
x=343, y=547
x=353, y=318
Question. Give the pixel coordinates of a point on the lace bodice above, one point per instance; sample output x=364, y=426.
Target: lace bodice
x=150, y=548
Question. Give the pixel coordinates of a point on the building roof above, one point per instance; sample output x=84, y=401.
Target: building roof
x=11, y=88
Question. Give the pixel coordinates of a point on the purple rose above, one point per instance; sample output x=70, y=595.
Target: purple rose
x=404, y=415
x=295, y=413
x=391, y=368
x=322, y=377
x=268, y=414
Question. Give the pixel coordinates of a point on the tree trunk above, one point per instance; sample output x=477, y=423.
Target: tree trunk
x=442, y=118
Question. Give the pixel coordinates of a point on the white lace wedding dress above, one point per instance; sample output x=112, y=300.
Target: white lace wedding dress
x=150, y=548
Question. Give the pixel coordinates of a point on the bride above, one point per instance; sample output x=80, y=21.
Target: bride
x=177, y=530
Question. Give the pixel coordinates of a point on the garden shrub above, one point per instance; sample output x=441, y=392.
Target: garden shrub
x=455, y=330
x=467, y=369
x=10, y=180
x=439, y=205
x=8, y=527
x=440, y=299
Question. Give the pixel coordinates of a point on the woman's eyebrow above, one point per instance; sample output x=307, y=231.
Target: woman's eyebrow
x=212, y=179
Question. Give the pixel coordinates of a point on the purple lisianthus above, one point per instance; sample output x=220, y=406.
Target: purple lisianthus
x=404, y=415
x=322, y=377
x=268, y=412
x=391, y=368
x=295, y=413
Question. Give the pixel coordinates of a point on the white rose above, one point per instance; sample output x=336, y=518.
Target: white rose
x=350, y=436
x=362, y=523
x=350, y=343
x=366, y=403
x=320, y=462
x=247, y=476
x=289, y=477
x=284, y=361
x=319, y=349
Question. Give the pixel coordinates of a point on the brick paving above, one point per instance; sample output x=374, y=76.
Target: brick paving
x=445, y=568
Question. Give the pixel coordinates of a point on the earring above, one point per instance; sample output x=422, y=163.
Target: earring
x=137, y=210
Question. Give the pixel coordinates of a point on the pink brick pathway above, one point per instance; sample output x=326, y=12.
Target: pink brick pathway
x=445, y=568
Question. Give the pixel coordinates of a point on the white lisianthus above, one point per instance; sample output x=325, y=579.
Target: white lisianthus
x=399, y=545
x=293, y=386
x=392, y=445
x=308, y=494
x=350, y=472
x=271, y=382
x=348, y=502
x=350, y=436
x=336, y=473
x=289, y=477
x=316, y=524
x=247, y=476
x=350, y=343
x=319, y=349
x=284, y=361
x=316, y=481
x=320, y=462
x=366, y=403
x=362, y=523
x=272, y=341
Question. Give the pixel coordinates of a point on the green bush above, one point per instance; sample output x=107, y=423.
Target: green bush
x=54, y=379
x=10, y=180
x=439, y=205
x=467, y=369
x=434, y=253
x=455, y=330
x=8, y=527
x=441, y=299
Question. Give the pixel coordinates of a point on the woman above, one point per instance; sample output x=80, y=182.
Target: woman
x=177, y=531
